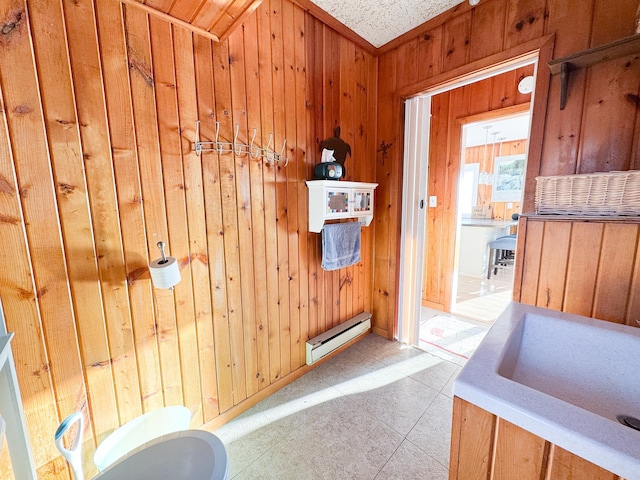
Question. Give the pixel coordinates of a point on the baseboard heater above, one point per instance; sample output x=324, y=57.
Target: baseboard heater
x=327, y=342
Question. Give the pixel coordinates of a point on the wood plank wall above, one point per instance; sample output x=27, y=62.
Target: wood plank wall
x=500, y=210
x=589, y=268
x=597, y=131
x=98, y=109
x=447, y=111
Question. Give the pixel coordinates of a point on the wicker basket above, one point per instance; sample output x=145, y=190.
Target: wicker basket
x=606, y=193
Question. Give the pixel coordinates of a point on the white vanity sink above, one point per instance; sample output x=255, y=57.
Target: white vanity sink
x=563, y=377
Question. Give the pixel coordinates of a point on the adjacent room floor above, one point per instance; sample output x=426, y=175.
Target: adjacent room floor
x=378, y=410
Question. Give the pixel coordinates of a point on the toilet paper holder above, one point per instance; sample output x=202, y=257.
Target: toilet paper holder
x=165, y=272
x=161, y=246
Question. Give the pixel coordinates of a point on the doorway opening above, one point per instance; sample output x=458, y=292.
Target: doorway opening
x=492, y=166
x=418, y=248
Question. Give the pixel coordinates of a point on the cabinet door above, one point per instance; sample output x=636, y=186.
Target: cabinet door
x=337, y=202
x=362, y=202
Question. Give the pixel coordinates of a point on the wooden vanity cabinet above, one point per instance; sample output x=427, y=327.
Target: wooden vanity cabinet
x=484, y=446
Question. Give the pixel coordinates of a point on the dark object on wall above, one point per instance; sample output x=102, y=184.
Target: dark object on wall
x=340, y=147
x=328, y=171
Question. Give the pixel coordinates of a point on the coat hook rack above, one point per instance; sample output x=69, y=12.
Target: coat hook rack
x=239, y=149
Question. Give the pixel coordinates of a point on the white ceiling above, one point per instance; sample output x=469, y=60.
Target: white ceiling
x=497, y=130
x=380, y=21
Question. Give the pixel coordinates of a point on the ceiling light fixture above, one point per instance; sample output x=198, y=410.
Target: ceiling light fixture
x=473, y=3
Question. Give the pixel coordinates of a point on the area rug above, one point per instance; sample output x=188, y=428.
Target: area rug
x=451, y=336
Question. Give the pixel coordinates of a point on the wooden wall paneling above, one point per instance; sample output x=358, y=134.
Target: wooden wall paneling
x=279, y=126
x=503, y=90
x=313, y=85
x=120, y=117
x=359, y=146
x=615, y=270
x=224, y=110
x=429, y=55
x=518, y=453
x=485, y=37
x=290, y=172
x=479, y=94
x=177, y=241
x=521, y=252
x=457, y=35
x=371, y=110
x=90, y=107
x=609, y=87
x=531, y=262
x=251, y=59
x=304, y=171
x=632, y=316
x=388, y=151
x=525, y=21
x=436, y=182
x=57, y=355
x=243, y=199
x=195, y=332
x=150, y=171
x=19, y=295
x=565, y=466
x=266, y=106
x=347, y=120
x=193, y=106
x=553, y=264
x=210, y=161
x=582, y=268
x=58, y=103
x=564, y=126
x=608, y=23
x=459, y=103
x=407, y=66
x=476, y=446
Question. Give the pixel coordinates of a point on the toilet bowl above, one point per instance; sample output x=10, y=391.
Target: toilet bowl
x=184, y=455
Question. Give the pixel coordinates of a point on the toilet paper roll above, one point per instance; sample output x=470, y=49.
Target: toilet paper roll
x=164, y=275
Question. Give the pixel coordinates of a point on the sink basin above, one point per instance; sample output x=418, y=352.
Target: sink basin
x=563, y=377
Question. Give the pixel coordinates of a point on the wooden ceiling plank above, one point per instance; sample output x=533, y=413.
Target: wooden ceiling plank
x=236, y=16
x=168, y=18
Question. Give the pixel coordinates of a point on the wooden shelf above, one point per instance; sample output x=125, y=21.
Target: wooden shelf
x=593, y=56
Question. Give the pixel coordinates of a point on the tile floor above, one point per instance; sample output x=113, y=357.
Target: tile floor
x=378, y=410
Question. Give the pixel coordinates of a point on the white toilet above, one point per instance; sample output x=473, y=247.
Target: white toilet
x=185, y=455
x=154, y=446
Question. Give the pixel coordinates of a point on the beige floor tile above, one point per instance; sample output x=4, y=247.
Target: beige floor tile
x=348, y=444
x=410, y=463
x=347, y=419
x=396, y=400
x=279, y=463
x=432, y=433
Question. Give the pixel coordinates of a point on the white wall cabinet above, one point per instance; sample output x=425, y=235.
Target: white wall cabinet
x=333, y=200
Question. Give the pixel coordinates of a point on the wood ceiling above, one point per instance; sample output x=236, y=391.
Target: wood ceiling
x=215, y=19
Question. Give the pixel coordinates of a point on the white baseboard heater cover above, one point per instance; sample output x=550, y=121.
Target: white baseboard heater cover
x=327, y=342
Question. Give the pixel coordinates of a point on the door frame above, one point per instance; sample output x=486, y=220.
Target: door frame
x=411, y=247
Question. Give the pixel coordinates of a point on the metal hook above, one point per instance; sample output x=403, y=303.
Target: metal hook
x=218, y=147
x=267, y=154
x=198, y=146
x=235, y=141
x=284, y=146
x=255, y=131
